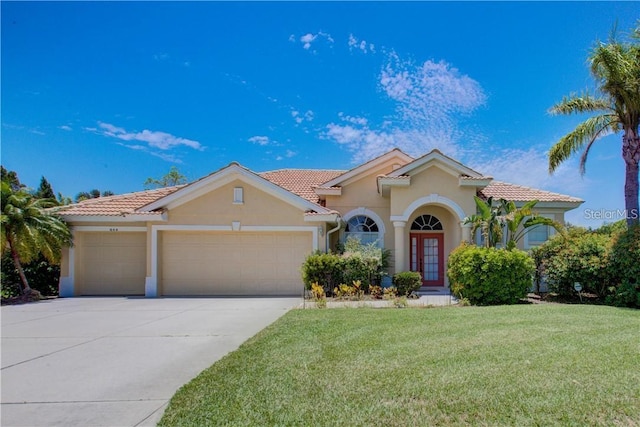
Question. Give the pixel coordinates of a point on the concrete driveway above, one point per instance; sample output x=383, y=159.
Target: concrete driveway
x=116, y=361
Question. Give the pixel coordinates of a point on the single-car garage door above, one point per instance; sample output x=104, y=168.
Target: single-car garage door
x=111, y=263
x=233, y=263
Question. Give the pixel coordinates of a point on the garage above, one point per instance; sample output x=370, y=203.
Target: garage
x=232, y=263
x=111, y=263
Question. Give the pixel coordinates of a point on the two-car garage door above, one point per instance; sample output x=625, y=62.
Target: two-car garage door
x=232, y=263
x=193, y=263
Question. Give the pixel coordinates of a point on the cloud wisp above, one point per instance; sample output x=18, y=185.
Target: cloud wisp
x=360, y=45
x=429, y=99
x=154, y=139
x=308, y=40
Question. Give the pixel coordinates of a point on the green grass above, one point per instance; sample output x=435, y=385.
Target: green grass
x=539, y=365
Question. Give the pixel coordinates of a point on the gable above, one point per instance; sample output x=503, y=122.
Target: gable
x=219, y=206
x=384, y=162
x=435, y=157
x=221, y=178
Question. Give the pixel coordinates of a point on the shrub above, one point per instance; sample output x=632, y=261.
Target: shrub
x=407, y=282
x=41, y=274
x=581, y=257
x=375, y=291
x=624, y=259
x=358, y=263
x=322, y=268
x=487, y=276
x=625, y=295
x=318, y=295
x=353, y=292
x=389, y=293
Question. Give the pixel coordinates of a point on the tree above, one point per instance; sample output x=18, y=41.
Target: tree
x=28, y=230
x=11, y=178
x=173, y=177
x=505, y=217
x=45, y=191
x=518, y=221
x=93, y=194
x=615, y=66
x=487, y=220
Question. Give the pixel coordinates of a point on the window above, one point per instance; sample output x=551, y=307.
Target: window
x=363, y=228
x=426, y=223
x=538, y=234
x=238, y=196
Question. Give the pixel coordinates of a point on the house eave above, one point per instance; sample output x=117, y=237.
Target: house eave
x=322, y=217
x=480, y=183
x=125, y=217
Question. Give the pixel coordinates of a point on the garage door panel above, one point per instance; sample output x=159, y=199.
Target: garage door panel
x=111, y=263
x=242, y=263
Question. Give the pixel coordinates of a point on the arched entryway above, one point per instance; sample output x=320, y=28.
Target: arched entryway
x=426, y=251
x=424, y=235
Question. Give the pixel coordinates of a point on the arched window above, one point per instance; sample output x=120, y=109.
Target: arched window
x=363, y=228
x=426, y=223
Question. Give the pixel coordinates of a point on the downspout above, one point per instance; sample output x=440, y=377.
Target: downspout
x=333, y=230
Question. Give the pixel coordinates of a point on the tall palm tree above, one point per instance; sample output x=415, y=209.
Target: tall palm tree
x=616, y=68
x=29, y=230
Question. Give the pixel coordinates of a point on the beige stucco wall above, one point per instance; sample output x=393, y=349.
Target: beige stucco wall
x=362, y=192
x=432, y=180
x=217, y=208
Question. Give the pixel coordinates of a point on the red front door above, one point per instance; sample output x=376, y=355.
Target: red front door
x=427, y=257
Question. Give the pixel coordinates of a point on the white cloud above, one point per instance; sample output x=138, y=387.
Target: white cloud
x=155, y=139
x=307, y=39
x=432, y=92
x=65, y=127
x=429, y=99
x=355, y=120
x=290, y=153
x=260, y=140
x=161, y=56
x=299, y=117
x=310, y=38
x=361, y=45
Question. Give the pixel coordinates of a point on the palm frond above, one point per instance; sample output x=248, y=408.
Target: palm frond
x=587, y=131
x=576, y=104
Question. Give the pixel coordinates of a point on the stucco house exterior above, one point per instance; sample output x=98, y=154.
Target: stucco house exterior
x=238, y=232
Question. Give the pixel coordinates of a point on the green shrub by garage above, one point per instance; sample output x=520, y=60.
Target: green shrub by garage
x=489, y=276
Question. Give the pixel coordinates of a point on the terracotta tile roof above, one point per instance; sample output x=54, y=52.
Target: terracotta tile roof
x=117, y=205
x=520, y=193
x=301, y=181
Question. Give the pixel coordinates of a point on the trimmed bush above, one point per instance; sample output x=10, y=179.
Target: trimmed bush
x=489, y=276
x=322, y=268
x=407, y=282
x=581, y=257
x=624, y=260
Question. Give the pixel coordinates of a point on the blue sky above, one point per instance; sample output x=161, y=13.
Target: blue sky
x=104, y=95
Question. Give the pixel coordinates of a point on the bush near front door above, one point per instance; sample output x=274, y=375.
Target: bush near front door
x=489, y=276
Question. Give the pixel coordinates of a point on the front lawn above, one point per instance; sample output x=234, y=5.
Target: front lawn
x=543, y=364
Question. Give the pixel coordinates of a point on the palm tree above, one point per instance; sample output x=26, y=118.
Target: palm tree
x=28, y=230
x=173, y=177
x=616, y=68
x=518, y=221
x=487, y=220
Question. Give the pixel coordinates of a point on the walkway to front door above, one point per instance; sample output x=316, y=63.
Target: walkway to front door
x=427, y=257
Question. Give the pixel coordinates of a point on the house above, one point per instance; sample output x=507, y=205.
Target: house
x=238, y=232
